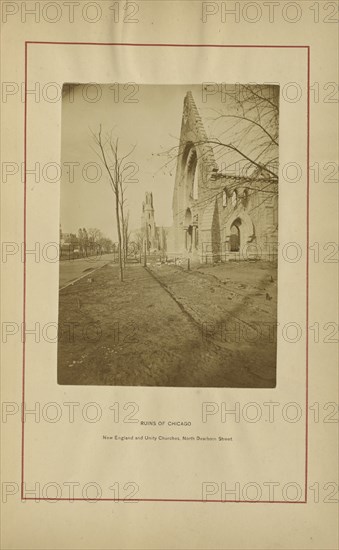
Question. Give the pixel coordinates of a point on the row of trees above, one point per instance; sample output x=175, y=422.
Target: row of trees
x=87, y=242
x=93, y=240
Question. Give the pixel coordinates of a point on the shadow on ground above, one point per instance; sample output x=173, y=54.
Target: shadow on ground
x=168, y=327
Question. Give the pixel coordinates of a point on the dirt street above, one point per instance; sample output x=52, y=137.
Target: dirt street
x=164, y=326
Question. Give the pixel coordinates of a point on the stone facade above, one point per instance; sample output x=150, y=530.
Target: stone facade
x=218, y=216
x=156, y=237
x=148, y=226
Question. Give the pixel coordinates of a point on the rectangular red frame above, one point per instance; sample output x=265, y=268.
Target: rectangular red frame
x=307, y=48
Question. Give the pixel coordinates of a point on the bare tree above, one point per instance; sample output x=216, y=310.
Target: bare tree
x=123, y=176
x=94, y=236
x=107, y=149
x=246, y=132
x=139, y=237
x=126, y=232
x=106, y=245
x=243, y=133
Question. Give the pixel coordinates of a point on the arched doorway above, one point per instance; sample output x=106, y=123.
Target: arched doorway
x=188, y=217
x=188, y=230
x=196, y=232
x=239, y=231
x=189, y=239
x=235, y=236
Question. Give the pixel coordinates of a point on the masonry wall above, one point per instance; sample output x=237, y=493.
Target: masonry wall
x=251, y=203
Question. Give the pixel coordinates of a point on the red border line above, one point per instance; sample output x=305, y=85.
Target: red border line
x=24, y=287
x=307, y=256
x=37, y=499
x=167, y=45
x=307, y=266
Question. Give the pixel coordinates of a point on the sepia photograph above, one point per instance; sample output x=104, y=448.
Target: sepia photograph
x=168, y=270
x=169, y=260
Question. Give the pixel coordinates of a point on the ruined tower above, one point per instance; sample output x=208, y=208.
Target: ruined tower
x=148, y=226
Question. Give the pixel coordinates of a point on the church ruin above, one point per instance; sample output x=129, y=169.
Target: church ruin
x=154, y=236
x=219, y=216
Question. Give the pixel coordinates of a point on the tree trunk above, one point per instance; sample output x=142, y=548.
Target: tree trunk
x=126, y=238
x=121, y=267
x=123, y=231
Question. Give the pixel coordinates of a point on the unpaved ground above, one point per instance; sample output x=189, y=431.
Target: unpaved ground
x=243, y=290
x=167, y=327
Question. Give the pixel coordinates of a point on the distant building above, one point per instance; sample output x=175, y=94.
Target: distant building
x=68, y=239
x=154, y=236
x=148, y=226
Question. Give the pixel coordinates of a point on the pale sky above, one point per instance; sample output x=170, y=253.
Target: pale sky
x=153, y=125
x=148, y=124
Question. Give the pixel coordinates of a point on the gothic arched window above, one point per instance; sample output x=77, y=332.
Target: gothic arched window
x=245, y=198
x=234, y=198
x=195, y=187
x=191, y=172
x=224, y=197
